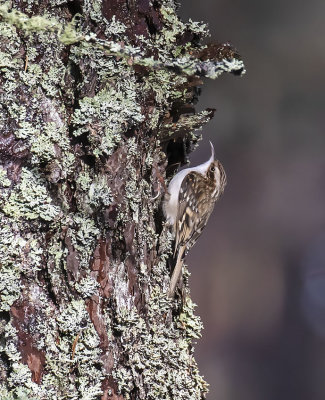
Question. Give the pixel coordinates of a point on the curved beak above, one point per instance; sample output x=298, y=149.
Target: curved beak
x=212, y=152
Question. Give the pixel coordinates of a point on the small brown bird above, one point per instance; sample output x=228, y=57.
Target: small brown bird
x=190, y=200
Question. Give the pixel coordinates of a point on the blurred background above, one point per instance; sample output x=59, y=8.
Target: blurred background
x=258, y=270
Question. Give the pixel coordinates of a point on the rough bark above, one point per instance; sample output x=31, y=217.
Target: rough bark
x=96, y=107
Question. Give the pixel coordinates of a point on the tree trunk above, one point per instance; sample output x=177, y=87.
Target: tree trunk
x=96, y=111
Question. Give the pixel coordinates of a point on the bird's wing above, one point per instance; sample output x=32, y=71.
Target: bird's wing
x=192, y=212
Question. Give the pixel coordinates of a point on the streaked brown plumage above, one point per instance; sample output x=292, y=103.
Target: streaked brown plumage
x=196, y=190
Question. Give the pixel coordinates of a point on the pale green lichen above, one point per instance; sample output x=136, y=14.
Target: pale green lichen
x=26, y=130
x=10, y=41
x=165, y=40
x=72, y=317
x=159, y=358
x=93, y=191
x=133, y=194
x=31, y=77
x=16, y=394
x=84, y=235
x=18, y=255
x=86, y=356
x=30, y=199
x=99, y=193
x=9, y=287
x=22, y=21
x=115, y=27
x=164, y=85
x=155, y=352
x=93, y=8
x=87, y=287
x=53, y=79
x=45, y=136
x=155, y=349
x=84, y=180
x=189, y=321
x=107, y=115
x=7, y=62
x=67, y=34
x=173, y=27
x=50, y=143
x=4, y=181
x=200, y=28
x=10, y=344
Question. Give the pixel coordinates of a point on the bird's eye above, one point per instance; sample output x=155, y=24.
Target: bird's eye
x=213, y=169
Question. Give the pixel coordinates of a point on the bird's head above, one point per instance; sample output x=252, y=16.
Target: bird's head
x=215, y=172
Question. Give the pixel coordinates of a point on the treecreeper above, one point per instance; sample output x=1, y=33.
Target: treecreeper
x=190, y=200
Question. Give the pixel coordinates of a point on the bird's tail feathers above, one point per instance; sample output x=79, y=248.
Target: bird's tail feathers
x=176, y=273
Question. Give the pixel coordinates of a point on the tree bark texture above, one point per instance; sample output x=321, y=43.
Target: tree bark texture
x=96, y=114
